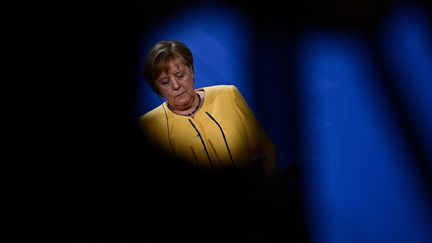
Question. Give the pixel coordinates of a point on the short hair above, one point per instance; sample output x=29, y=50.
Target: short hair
x=159, y=57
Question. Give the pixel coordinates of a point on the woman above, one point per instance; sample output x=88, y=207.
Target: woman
x=210, y=127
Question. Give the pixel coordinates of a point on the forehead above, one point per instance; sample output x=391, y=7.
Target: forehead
x=173, y=67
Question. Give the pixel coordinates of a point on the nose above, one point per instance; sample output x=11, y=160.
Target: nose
x=175, y=83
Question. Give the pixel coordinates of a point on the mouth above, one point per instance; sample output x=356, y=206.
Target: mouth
x=180, y=94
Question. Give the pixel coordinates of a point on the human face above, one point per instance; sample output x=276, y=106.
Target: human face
x=177, y=85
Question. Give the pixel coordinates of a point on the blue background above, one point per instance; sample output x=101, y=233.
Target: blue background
x=345, y=93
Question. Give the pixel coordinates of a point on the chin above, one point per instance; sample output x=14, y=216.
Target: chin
x=182, y=103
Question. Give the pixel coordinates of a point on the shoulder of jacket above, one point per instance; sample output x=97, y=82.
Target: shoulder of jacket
x=152, y=115
x=225, y=88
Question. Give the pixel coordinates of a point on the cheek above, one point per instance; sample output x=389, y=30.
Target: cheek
x=167, y=95
x=189, y=82
x=164, y=93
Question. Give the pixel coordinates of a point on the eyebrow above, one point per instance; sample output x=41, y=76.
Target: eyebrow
x=162, y=76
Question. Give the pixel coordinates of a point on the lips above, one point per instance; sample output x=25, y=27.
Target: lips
x=180, y=94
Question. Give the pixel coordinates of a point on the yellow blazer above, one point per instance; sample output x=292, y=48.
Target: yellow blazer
x=224, y=133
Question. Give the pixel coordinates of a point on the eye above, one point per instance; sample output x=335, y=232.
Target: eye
x=164, y=81
x=180, y=75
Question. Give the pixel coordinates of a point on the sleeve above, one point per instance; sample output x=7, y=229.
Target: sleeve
x=154, y=128
x=263, y=150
